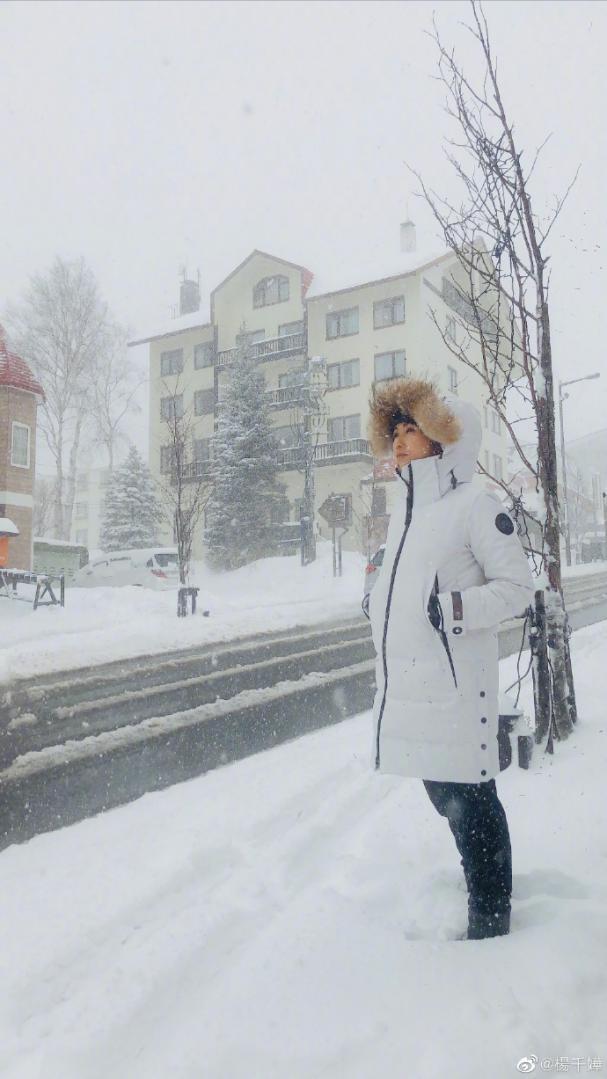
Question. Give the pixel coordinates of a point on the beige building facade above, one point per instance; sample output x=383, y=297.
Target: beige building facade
x=375, y=328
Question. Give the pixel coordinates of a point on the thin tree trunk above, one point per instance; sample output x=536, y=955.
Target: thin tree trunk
x=58, y=508
x=555, y=611
x=71, y=483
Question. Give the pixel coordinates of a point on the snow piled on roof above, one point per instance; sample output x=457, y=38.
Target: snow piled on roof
x=175, y=325
x=343, y=274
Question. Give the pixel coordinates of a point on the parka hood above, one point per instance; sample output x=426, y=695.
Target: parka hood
x=442, y=417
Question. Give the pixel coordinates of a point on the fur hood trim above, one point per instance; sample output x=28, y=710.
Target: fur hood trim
x=421, y=400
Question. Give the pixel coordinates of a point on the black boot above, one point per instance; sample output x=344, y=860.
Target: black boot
x=484, y=923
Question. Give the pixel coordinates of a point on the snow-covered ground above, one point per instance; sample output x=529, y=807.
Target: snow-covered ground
x=98, y=625
x=292, y=916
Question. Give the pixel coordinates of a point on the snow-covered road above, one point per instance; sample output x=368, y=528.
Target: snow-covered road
x=293, y=915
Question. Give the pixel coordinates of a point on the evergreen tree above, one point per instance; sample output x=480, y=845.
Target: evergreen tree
x=244, y=468
x=131, y=509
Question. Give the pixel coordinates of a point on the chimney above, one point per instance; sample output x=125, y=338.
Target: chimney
x=407, y=237
x=189, y=295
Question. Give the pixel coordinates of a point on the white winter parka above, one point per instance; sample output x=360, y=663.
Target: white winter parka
x=436, y=706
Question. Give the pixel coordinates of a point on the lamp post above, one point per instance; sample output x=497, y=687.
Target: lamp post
x=563, y=397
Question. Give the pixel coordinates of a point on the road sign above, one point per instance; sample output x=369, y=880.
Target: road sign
x=337, y=510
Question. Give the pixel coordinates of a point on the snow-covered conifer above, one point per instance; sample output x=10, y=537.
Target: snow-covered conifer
x=131, y=509
x=244, y=468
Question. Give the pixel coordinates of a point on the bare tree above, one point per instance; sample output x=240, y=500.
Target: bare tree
x=61, y=327
x=498, y=292
x=185, y=483
x=114, y=386
x=44, y=491
x=307, y=421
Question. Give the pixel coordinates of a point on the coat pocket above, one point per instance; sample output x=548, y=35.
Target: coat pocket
x=434, y=614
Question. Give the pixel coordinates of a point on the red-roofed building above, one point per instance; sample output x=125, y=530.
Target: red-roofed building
x=19, y=396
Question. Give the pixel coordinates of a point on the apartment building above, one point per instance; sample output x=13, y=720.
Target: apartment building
x=362, y=325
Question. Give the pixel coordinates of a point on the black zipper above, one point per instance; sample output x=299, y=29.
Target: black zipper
x=408, y=516
x=443, y=635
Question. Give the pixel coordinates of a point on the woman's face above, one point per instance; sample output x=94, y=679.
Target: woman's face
x=409, y=444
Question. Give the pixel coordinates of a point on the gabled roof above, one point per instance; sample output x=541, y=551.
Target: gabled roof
x=14, y=371
x=275, y=258
x=351, y=275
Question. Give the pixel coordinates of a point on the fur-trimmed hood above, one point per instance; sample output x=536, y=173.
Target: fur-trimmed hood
x=442, y=417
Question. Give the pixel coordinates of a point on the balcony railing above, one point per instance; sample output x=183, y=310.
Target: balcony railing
x=275, y=348
x=194, y=470
x=326, y=452
x=285, y=396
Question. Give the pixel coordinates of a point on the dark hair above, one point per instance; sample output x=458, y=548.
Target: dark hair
x=400, y=417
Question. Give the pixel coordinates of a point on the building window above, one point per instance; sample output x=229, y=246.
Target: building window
x=202, y=449
x=82, y=482
x=82, y=536
x=343, y=427
x=204, y=355
x=486, y=460
x=279, y=511
x=342, y=323
x=388, y=312
x=389, y=365
x=81, y=509
x=289, y=328
x=250, y=337
x=204, y=402
x=452, y=379
x=292, y=378
x=287, y=437
x=497, y=467
x=378, y=502
x=171, y=408
x=496, y=426
x=450, y=330
x=20, y=445
x=171, y=363
x=271, y=290
x=342, y=375
x=167, y=459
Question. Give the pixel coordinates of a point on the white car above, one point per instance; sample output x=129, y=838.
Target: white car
x=147, y=567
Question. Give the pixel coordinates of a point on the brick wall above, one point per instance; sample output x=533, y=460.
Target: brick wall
x=19, y=547
x=19, y=406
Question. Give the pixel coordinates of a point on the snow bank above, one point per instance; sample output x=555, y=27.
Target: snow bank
x=98, y=625
x=294, y=914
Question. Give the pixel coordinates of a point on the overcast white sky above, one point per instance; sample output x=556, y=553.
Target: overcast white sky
x=146, y=135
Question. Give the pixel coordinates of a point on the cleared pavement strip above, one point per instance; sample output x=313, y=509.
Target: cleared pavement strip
x=217, y=704
x=60, y=785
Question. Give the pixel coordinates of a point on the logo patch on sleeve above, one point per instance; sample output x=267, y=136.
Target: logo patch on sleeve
x=504, y=524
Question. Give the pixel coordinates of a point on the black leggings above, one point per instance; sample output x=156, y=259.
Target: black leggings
x=480, y=829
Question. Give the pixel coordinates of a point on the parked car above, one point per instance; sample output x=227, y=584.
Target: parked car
x=148, y=567
x=372, y=568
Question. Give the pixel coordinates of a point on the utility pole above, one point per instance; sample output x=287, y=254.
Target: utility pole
x=314, y=414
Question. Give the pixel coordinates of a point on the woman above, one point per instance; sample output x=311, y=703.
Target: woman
x=453, y=569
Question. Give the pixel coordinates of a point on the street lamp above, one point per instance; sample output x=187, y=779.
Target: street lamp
x=563, y=397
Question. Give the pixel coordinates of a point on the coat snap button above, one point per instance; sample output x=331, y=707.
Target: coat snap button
x=483, y=719
x=482, y=692
x=483, y=772
x=457, y=629
x=483, y=746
